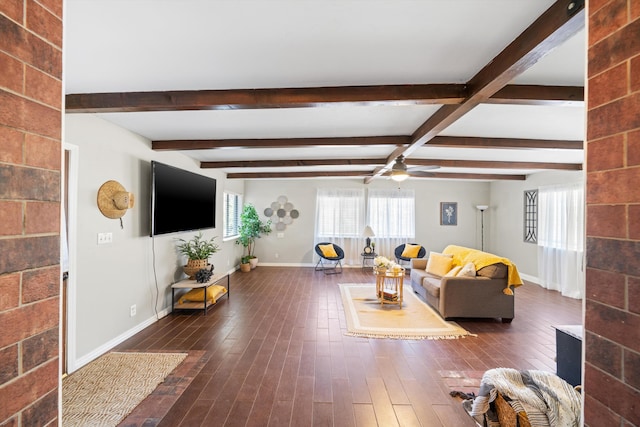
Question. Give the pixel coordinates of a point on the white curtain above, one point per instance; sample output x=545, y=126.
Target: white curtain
x=561, y=238
x=340, y=214
x=391, y=215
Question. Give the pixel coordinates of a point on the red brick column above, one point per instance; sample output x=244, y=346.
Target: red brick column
x=612, y=325
x=30, y=153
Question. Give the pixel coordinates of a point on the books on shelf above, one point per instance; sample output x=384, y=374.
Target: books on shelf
x=390, y=294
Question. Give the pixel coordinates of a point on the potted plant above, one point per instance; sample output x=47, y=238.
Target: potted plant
x=251, y=228
x=245, y=265
x=197, y=250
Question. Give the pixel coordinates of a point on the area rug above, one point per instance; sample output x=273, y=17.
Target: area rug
x=106, y=390
x=415, y=320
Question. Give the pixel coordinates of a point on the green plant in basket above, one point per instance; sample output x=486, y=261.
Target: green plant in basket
x=198, y=247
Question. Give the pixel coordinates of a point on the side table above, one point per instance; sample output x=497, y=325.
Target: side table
x=193, y=284
x=389, y=286
x=368, y=256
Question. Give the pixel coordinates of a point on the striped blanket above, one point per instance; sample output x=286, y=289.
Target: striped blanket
x=546, y=399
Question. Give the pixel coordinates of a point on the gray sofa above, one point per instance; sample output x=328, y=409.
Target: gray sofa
x=455, y=297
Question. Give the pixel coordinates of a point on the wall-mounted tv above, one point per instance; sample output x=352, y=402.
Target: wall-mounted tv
x=181, y=200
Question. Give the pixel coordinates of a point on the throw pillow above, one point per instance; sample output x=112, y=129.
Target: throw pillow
x=411, y=251
x=469, y=270
x=328, y=251
x=195, y=295
x=439, y=264
x=453, y=272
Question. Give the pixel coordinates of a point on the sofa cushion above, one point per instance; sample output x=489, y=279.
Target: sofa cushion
x=439, y=264
x=494, y=271
x=469, y=270
x=432, y=285
x=454, y=271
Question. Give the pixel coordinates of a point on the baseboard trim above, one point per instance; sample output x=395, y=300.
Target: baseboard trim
x=80, y=362
x=532, y=279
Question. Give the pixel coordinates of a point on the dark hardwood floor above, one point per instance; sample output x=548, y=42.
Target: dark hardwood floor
x=275, y=354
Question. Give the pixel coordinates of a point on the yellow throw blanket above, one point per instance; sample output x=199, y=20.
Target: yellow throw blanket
x=463, y=256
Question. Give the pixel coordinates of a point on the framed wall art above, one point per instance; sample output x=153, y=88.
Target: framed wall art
x=448, y=213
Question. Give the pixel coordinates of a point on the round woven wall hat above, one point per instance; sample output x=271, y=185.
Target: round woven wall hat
x=114, y=200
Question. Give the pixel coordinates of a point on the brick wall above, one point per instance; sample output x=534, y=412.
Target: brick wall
x=30, y=150
x=612, y=337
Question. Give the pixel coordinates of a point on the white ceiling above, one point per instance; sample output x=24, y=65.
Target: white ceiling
x=171, y=45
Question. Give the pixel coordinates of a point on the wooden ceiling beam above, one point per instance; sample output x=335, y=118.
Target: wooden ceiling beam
x=493, y=164
x=360, y=174
x=555, y=26
x=539, y=95
x=479, y=164
x=315, y=174
x=507, y=143
x=439, y=141
x=205, y=144
x=238, y=99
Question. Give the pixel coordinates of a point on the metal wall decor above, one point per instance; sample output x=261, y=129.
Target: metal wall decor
x=531, y=216
x=281, y=213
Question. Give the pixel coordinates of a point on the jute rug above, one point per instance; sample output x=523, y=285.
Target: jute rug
x=106, y=390
x=415, y=320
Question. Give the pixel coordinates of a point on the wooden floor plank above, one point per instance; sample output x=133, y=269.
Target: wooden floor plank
x=273, y=360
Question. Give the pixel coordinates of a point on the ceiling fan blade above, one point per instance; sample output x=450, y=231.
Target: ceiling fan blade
x=422, y=174
x=421, y=168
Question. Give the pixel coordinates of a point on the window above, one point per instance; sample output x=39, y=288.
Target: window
x=392, y=213
x=561, y=222
x=531, y=216
x=340, y=212
x=232, y=211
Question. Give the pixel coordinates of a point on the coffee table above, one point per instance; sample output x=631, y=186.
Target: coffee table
x=389, y=286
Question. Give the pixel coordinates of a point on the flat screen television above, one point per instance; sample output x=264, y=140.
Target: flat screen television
x=181, y=200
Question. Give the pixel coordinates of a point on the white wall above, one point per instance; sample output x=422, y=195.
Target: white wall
x=296, y=245
x=506, y=215
x=112, y=277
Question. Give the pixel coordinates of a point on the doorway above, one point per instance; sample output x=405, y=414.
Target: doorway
x=68, y=249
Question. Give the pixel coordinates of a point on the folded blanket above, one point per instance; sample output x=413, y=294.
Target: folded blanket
x=546, y=399
x=463, y=256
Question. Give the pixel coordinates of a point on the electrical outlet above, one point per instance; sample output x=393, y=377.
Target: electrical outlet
x=104, y=238
x=132, y=310
x=277, y=255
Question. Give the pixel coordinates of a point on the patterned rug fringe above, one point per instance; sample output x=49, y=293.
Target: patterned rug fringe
x=409, y=337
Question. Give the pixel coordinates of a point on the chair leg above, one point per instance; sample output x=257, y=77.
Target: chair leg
x=334, y=269
x=329, y=270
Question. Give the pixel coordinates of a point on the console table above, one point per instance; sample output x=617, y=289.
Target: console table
x=193, y=284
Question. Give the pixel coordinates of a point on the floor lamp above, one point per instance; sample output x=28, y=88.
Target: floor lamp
x=482, y=208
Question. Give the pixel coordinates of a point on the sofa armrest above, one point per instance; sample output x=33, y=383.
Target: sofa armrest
x=418, y=263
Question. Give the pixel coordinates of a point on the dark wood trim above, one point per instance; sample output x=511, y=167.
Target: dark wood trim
x=493, y=164
x=346, y=174
x=315, y=174
x=194, y=144
x=289, y=163
x=539, y=95
x=236, y=99
x=481, y=164
x=513, y=143
x=441, y=141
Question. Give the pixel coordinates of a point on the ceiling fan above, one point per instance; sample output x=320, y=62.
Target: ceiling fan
x=400, y=172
